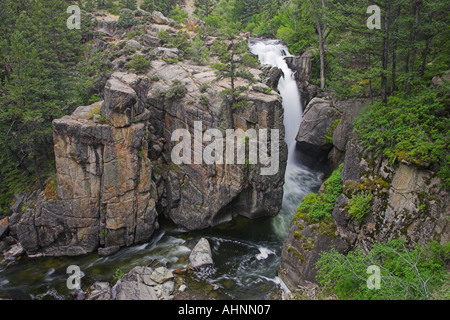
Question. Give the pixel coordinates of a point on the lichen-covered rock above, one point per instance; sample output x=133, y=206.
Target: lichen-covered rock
x=302, y=249
x=100, y=291
x=166, y=53
x=302, y=66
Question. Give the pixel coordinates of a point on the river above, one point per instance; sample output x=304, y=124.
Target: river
x=246, y=252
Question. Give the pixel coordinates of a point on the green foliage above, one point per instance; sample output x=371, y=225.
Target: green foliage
x=94, y=98
x=128, y=4
x=178, y=14
x=165, y=6
x=118, y=274
x=139, y=64
x=413, y=128
x=177, y=91
x=126, y=19
x=329, y=135
x=39, y=81
x=320, y=206
x=180, y=41
x=204, y=7
x=232, y=65
x=199, y=52
x=133, y=34
x=170, y=61
x=359, y=206
x=410, y=274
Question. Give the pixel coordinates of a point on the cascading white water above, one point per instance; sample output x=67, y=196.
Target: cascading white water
x=299, y=180
x=273, y=52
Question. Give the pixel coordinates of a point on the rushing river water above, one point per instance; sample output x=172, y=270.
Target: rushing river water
x=246, y=252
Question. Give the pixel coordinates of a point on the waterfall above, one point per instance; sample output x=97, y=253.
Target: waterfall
x=299, y=180
x=273, y=52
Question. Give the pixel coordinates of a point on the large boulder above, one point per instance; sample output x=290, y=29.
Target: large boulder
x=100, y=291
x=151, y=41
x=201, y=255
x=317, y=124
x=119, y=102
x=115, y=173
x=192, y=23
x=144, y=283
x=159, y=18
x=166, y=53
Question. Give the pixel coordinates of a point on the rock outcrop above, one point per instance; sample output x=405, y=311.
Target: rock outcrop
x=159, y=18
x=408, y=203
x=115, y=173
x=144, y=283
x=192, y=23
x=302, y=66
x=318, y=119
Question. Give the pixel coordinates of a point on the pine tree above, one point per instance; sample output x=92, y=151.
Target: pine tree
x=230, y=52
x=38, y=62
x=128, y=4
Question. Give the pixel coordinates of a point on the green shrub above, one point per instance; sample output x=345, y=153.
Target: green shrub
x=118, y=274
x=414, y=128
x=133, y=34
x=176, y=91
x=359, y=206
x=408, y=274
x=320, y=206
x=178, y=14
x=94, y=98
x=180, y=41
x=154, y=78
x=126, y=19
x=139, y=64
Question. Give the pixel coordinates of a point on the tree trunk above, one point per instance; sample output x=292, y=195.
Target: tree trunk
x=414, y=33
x=385, y=53
x=424, y=57
x=322, y=55
x=38, y=174
x=394, y=54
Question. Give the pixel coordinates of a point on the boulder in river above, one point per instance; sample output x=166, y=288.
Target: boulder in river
x=201, y=254
x=144, y=283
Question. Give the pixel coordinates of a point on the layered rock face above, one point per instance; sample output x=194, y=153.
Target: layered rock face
x=114, y=169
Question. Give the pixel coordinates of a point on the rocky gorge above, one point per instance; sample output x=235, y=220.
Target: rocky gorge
x=114, y=173
x=115, y=179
